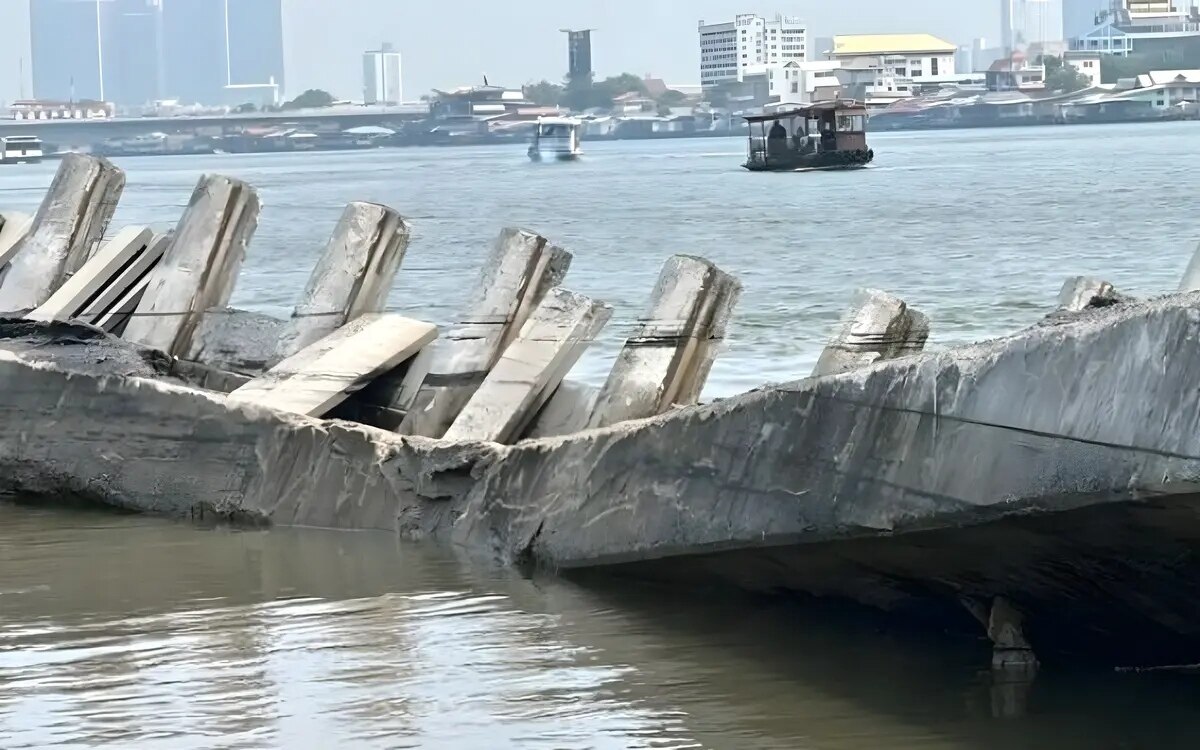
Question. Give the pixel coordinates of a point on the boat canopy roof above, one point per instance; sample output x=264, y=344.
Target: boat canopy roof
x=841, y=105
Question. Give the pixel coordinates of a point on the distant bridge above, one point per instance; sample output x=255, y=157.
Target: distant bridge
x=82, y=132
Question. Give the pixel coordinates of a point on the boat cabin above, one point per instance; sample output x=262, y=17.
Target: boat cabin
x=556, y=138
x=826, y=135
x=15, y=149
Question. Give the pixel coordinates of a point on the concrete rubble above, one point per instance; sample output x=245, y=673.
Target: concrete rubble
x=1080, y=293
x=982, y=483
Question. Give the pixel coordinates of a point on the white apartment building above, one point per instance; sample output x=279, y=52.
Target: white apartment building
x=748, y=45
x=900, y=59
x=382, y=80
x=796, y=81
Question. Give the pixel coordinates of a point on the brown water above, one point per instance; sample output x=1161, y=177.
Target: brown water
x=126, y=631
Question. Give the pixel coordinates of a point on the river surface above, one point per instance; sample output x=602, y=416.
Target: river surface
x=122, y=631
x=977, y=228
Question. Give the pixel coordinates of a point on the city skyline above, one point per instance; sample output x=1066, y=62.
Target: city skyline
x=324, y=40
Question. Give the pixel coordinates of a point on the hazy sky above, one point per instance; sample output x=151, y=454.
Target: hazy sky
x=446, y=44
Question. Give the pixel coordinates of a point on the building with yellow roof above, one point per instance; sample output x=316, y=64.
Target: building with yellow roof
x=897, y=59
x=859, y=45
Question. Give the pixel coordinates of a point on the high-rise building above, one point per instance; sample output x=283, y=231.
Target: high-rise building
x=382, y=79
x=579, y=54
x=747, y=45
x=137, y=51
x=1026, y=22
x=133, y=58
x=193, y=60
x=254, y=42
x=218, y=51
x=67, y=44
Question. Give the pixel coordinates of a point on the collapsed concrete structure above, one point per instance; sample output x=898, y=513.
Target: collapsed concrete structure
x=1042, y=484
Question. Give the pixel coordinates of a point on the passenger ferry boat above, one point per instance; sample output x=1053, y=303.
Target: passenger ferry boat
x=15, y=149
x=822, y=136
x=556, y=138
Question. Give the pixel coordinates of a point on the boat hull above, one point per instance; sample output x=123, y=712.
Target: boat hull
x=837, y=160
x=535, y=155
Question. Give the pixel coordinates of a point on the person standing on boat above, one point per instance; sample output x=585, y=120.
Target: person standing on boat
x=828, y=138
x=777, y=139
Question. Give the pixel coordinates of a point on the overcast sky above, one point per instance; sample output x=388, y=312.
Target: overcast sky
x=446, y=44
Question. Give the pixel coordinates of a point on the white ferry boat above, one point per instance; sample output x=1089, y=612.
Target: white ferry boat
x=15, y=149
x=556, y=138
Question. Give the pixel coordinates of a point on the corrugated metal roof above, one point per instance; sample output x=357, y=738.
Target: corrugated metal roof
x=889, y=44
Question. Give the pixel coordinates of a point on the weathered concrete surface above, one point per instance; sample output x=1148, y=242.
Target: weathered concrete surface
x=96, y=275
x=568, y=410
x=669, y=355
x=13, y=228
x=520, y=267
x=78, y=347
x=877, y=326
x=550, y=344
x=236, y=341
x=1190, y=282
x=1081, y=292
x=199, y=269
x=184, y=452
x=317, y=378
x=934, y=439
x=65, y=230
x=352, y=278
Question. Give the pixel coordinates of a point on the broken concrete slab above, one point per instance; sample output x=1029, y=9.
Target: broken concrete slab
x=65, y=231
x=668, y=357
x=877, y=326
x=319, y=377
x=385, y=401
x=96, y=276
x=124, y=281
x=515, y=268
x=1081, y=292
x=353, y=277
x=116, y=318
x=550, y=343
x=199, y=269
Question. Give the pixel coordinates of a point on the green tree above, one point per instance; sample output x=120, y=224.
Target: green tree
x=624, y=84
x=1062, y=76
x=544, y=93
x=672, y=98
x=311, y=99
x=582, y=93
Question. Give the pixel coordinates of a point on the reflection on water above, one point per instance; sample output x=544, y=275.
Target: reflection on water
x=126, y=631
